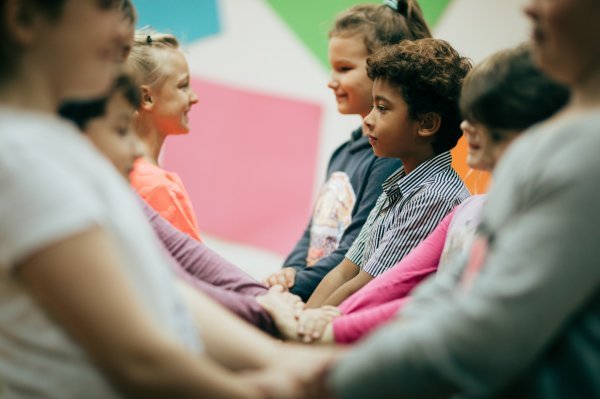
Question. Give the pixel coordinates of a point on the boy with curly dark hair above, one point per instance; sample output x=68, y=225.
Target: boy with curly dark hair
x=416, y=118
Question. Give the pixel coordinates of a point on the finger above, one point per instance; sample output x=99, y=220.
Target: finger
x=301, y=327
x=331, y=311
x=309, y=327
x=319, y=327
x=273, y=280
x=290, y=276
x=290, y=281
x=281, y=279
x=307, y=338
x=298, y=312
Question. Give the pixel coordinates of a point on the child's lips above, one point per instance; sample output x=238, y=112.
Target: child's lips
x=372, y=139
x=341, y=97
x=474, y=146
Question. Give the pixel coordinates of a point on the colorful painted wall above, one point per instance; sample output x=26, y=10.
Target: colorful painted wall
x=266, y=123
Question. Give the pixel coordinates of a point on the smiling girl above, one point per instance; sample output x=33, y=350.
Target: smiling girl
x=355, y=174
x=167, y=97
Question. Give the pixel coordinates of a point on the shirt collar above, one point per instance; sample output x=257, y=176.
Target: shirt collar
x=401, y=183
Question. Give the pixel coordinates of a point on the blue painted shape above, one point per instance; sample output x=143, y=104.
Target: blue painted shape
x=189, y=20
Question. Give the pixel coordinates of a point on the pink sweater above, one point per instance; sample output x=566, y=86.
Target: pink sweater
x=381, y=299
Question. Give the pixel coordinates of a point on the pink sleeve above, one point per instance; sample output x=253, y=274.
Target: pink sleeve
x=399, y=280
x=352, y=327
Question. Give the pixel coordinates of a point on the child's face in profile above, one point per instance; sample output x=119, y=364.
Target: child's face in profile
x=483, y=152
x=349, y=80
x=113, y=134
x=391, y=131
x=480, y=153
x=175, y=97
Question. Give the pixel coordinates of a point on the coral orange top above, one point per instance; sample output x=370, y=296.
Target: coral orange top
x=164, y=192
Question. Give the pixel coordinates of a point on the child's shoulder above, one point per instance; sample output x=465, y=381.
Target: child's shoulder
x=446, y=185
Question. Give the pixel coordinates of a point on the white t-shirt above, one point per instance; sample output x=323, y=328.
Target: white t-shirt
x=54, y=184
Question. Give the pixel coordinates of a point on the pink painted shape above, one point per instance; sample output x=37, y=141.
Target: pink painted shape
x=248, y=164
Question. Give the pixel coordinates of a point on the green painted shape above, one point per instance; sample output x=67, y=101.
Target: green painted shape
x=311, y=19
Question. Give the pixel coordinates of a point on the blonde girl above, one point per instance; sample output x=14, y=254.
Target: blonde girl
x=159, y=65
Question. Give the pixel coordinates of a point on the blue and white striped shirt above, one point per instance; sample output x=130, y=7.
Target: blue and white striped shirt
x=407, y=211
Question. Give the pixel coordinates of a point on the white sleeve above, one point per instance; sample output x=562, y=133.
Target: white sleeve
x=42, y=201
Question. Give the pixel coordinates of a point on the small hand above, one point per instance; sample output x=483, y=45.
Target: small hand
x=312, y=322
x=285, y=277
x=282, y=307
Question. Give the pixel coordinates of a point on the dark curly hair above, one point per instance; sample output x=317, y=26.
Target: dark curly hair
x=380, y=25
x=429, y=74
x=508, y=92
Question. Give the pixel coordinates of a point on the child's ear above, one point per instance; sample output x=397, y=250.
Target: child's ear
x=430, y=124
x=21, y=20
x=147, y=100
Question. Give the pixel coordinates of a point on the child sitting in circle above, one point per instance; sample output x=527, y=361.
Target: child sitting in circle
x=501, y=97
x=160, y=67
x=355, y=174
x=416, y=118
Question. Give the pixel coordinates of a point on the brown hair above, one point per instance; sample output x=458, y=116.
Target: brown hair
x=147, y=54
x=381, y=25
x=82, y=112
x=508, y=92
x=429, y=74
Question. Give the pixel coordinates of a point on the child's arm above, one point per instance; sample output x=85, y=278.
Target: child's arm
x=198, y=260
x=399, y=280
x=221, y=331
x=349, y=328
x=348, y=288
x=307, y=279
x=339, y=276
x=395, y=244
x=93, y=300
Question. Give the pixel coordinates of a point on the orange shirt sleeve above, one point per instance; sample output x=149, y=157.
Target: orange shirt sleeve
x=165, y=193
x=170, y=207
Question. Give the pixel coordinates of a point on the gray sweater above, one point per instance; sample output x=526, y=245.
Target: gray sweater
x=529, y=324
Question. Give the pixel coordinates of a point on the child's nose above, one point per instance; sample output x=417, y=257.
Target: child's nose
x=466, y=127
x=333, y=82
x=193, y=97
x=368, y=121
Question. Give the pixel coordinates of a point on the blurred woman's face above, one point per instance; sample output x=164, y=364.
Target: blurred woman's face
x=78, y=49
x=565, y=36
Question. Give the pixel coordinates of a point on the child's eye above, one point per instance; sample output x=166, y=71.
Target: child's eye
x=344, y=69
x=381, y=108
x=122, y=131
